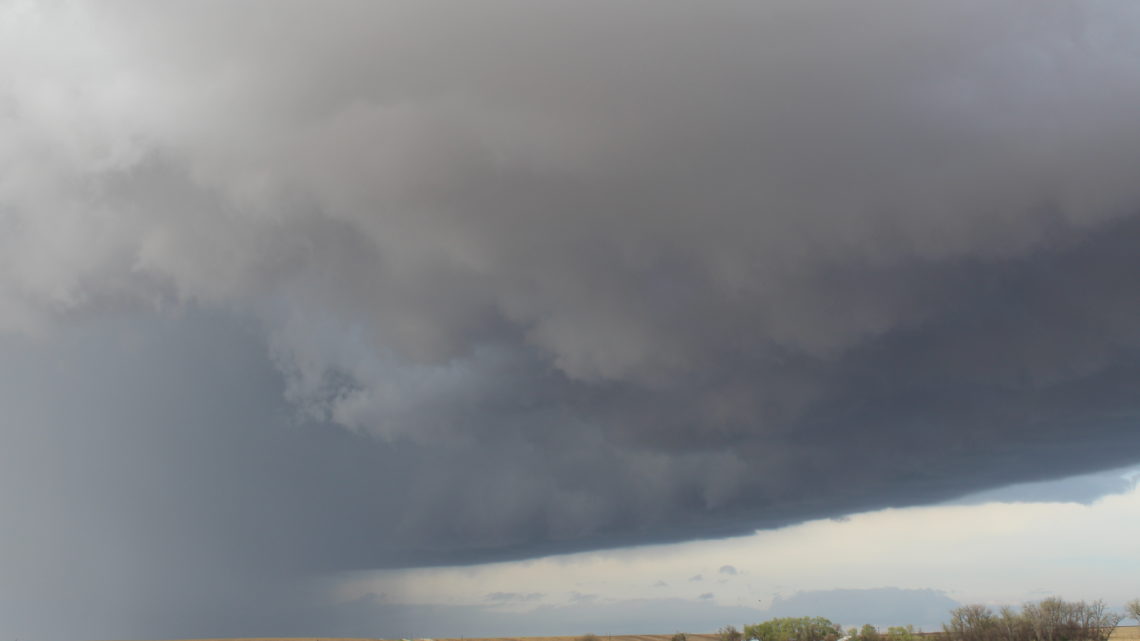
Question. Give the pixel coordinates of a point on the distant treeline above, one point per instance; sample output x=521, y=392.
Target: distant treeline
x=1051, y=619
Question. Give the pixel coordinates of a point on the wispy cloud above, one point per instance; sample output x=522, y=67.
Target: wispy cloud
x=514, y=597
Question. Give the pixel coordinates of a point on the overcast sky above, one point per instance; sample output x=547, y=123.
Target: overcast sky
x=426, y=318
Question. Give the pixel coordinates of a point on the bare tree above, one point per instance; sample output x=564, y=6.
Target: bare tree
x=1052, y=619
x=1133, y=609
x=971, y=623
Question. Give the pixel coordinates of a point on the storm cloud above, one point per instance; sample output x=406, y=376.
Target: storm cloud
x=503, y=279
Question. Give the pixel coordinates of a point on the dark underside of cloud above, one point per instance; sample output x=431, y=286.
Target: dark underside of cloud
x=1085, y=489
x=420, y=283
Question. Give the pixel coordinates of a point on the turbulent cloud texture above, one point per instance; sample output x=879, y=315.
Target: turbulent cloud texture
x=547, y=276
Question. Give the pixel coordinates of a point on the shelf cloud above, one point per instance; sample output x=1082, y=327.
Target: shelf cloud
x=509, y=279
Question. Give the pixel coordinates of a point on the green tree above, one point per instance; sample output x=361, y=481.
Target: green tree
x=793, y=629
x=869, y=633
x=902, y=633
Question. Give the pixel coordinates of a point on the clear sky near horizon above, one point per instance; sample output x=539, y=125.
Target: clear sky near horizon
x=437, y=317
x=1074, y=538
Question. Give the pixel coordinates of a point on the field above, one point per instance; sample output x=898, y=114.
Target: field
x=1122, y=633
x=1126, y=633
x=616, y=637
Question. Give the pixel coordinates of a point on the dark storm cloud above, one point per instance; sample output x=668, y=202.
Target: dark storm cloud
x=1084, y=489
x=547, y=277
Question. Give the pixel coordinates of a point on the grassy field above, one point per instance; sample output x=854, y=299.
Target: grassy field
x=1126, y=633
x=1122, y=633
x=616, y=637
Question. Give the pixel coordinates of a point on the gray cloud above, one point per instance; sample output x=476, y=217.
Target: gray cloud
x=727, y=569
x=516, y=279
x=1083, y=489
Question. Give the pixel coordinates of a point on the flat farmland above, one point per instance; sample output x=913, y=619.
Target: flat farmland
x=1122, y=633
x=1126, y=633
x=601, y=637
